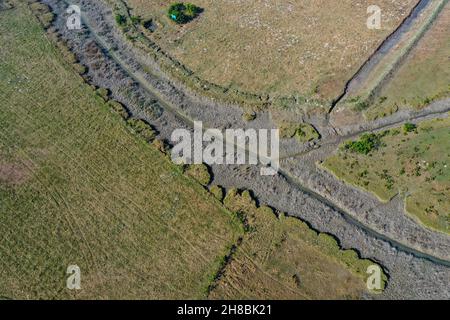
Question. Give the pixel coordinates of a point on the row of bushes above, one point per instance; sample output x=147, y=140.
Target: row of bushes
x=46, y=18
x=137, y=126
x=244, y=204
x=200, y=173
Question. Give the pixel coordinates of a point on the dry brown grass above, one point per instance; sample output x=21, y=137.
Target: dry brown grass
x=13, y=173
x=266, y=46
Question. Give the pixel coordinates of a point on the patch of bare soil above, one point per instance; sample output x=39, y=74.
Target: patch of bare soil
x=13, y=173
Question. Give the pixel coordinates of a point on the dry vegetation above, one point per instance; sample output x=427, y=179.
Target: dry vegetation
x=282, y=258
x=305, y=48
x=411, y=74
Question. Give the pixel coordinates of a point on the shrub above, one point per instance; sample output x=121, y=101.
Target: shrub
x=118, y=108
x=217, y=192
x=409, y=127
x=303, y=132
x=160, y=145
x=199, y=172
x=361, y=105
x=68, y=55
x=183, y=12
x=80, y=69
x=249, y=116
x=46, y=19
x=121, y=20
x=367, y=143
x=103, y=93
x=135, y=19
x=306, y=133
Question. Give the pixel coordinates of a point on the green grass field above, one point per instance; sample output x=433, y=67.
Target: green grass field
x=415, y=165
x=78, y=187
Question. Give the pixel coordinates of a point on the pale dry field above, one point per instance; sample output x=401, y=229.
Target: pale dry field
x=310, y=48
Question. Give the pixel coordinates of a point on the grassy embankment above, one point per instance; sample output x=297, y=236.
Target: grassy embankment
x=425, y=75
x=413, y=73
x=282, y=258
x=413, y=162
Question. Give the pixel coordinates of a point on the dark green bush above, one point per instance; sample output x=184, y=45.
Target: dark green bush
x=367, y=143
x=183, y=12
x=217, y=192
x=409, y=127
x=135, y=19
x=362, y=105
x=118, y=108
x=121, y=19
x=142, y=128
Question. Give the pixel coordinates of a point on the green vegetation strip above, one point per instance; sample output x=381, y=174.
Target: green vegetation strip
x=282, y=258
